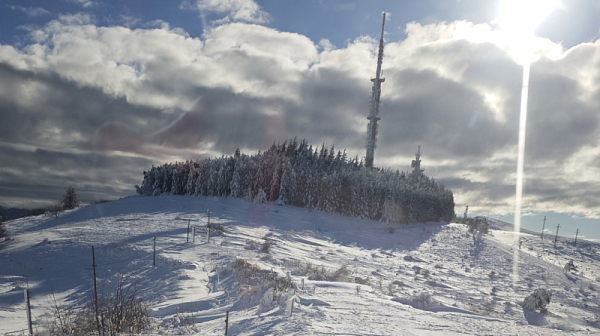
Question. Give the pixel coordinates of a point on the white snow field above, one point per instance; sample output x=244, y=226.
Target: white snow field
x=420, y=279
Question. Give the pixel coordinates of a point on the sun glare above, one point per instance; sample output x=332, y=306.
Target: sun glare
x=523, y=16
x=519, y=18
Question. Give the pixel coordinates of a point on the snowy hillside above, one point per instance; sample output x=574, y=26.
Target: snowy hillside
x=416, y=279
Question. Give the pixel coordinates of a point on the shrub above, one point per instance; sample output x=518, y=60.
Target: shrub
x=215, y=229
x=246, y=270
x=570, y=266
x=538, y=300
x=251, y=245
x=341, y=274
x=391, y=289
x=255, y=283
x=315, y=272
x=64, y=320
x=266, y=246
x=424, y=300
x=37, y=212
x=362, y=281
x=121, y=312
x=478, y=225
x=55, y=210
x=488, y=306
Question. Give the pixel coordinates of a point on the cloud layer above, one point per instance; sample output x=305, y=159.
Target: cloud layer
x=234, y=10
x=94, y=106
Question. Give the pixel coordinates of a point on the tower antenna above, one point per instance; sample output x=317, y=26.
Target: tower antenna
x=416, y=163
x=374, y=113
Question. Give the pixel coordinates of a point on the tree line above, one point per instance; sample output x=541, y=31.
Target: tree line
x=296, y=174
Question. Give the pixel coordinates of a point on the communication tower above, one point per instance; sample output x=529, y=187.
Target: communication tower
x=416, y=163
x=374, y=113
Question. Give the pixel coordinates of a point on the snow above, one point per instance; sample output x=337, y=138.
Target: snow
x=420, y=279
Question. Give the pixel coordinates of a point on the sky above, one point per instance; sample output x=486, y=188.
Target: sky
x=94, y=92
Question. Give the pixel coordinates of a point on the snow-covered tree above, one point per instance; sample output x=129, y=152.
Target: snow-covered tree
x=261, y=197
x=538, y=300
x=296, y=174
x=190, y=186
x=70, y=200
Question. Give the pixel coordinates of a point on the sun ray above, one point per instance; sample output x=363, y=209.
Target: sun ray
x=519, y=19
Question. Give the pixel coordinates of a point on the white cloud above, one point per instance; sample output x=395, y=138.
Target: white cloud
x=235, y=10
x=74, y=19
x=259, y=85
x=30, y=11
x=85, y=3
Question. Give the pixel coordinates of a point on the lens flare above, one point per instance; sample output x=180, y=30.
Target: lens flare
x=519, y=18
x=522, y=16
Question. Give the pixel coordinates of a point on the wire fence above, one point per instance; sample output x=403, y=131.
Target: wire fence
x=200, y=232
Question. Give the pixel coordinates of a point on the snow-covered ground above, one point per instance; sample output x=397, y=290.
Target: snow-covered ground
x=419, y=279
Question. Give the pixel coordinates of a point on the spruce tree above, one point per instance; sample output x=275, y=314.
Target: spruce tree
x=70, y=200
x=296, y=174
x=2, y=229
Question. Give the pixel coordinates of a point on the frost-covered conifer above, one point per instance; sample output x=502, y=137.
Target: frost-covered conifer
x=190, y=186
x=235, y=185
x=298, y=175
x=70, y=200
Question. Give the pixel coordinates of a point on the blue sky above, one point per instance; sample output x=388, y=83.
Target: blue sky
x=94, y=92
x=338, y=21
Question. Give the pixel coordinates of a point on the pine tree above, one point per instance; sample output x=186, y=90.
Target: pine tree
x=296, y=174
x=70, y=200
x=235, y=185
x=175, y=182
x=166, y=179
x=198, y=189
x=288, y=185
x=158, y=182
x=190, y=186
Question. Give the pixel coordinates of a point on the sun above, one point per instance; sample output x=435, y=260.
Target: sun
x=523, y=16
x=518, y=19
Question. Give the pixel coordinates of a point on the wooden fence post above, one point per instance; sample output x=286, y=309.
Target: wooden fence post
x=95, y=291
x=208, y=226
x=154, y=255
x=188, y=232
x=28, y=302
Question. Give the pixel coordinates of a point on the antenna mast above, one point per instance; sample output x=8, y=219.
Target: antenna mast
x=416, y=163
x=374, y=113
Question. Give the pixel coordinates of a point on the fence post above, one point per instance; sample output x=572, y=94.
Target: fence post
x=95, y=290
x=193, y=234
x=576, y=234
x=154, y=255
x=28, y=303
x=543, y=227
x=226, y=323
x=188, y=232
x=208, y=227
